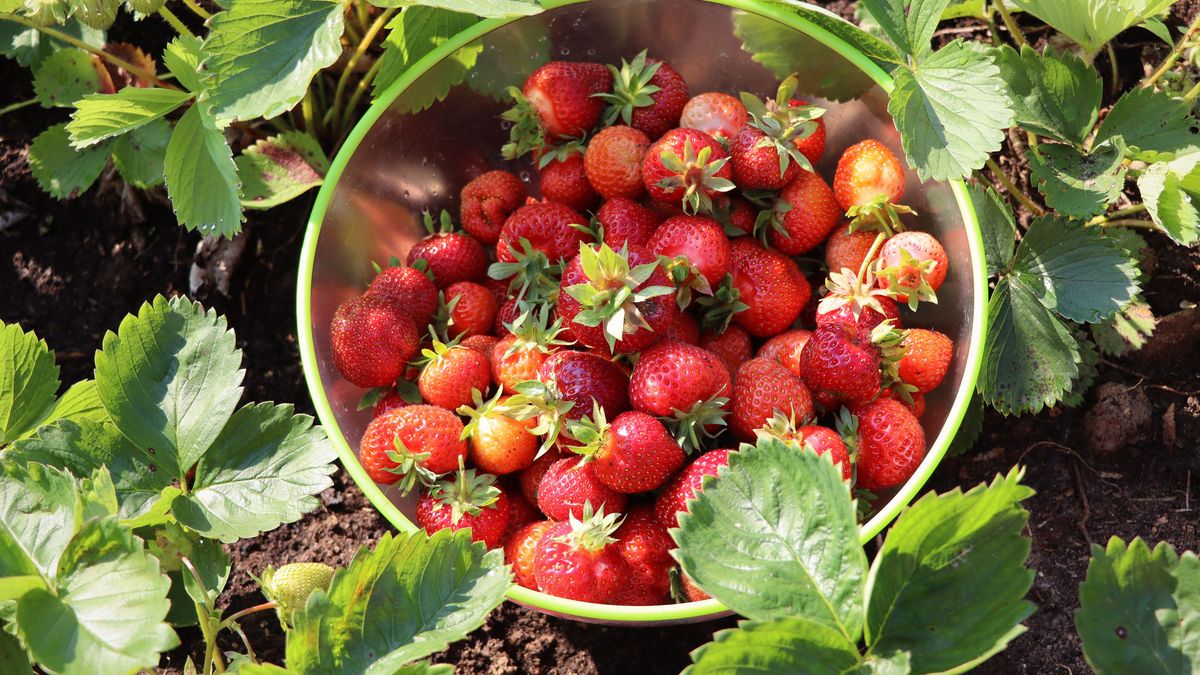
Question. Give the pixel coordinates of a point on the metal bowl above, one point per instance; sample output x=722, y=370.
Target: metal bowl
x=437, y=127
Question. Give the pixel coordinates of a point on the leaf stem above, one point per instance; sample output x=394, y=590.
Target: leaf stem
x=1132, y=222
x=170, y=18
x=1013, y=190
x=76, y=42
x=17, y=106
x=1192, y=93
x=348, y=69
x=232, y=618
x=866, y=263
x=1013, y=29
x=197, y=9
x=1118, y=214
x=1173, y=56
x=363, y=85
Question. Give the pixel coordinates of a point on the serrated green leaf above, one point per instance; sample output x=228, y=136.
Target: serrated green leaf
x=80, y=402
x=104, y=573
x=509, y=56
x=949, y=583
x=1160, y=30
x=182, y=58
x=407, y=598
x=140, y=154
x=910, y=31
x=951, y=111
x=792, y=644
x=280, y=168
x=1079, y=184
x=1074, y=270
x=894, y=663
x=29, y=46
x=170, y=378
x=1125, y=331
x=774, y=536
x=103, y=116
x=98, y=494
x=1171, y=192
x=64, y=77
x=1053, y=94
x=1087, y=363
x=201, y=176
x=28, y=380
x=970, y=428
x=212, y=565
x=1140, y=609
x=1092, y=23
x=998, y=226
x=261, y=54
x=60, y=169
x=1155, y=125
x=1029, y=355
x=39, y=513
x=414, y=33
x=484, y=8
x=263, y=470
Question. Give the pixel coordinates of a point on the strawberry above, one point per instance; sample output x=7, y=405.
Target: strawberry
x=487, y=201
x=690, y=590
x=716, y=114
x=497, y=443
x=732, y=346
x=736, y=214
x=786, y=348
x=484, y=344
x=410, y=290
x=835, y=361
x=625, y=222
x=647, y=94
x=761, y=389
x=632, y=454
x=811, y=146
x=694, y=251
x=531, y=478
x=520, y=551
x=585, y=380
x=927, y=356
x=563, y=179
x=685, y=329
x=686, y=485
x=804, y=214
x=450, y=256
x=472, y=309
x=915, y=400
x=613, y=162
x=510, y=310
x=855, y=303
x=645, y=544
x=689, y=384
x=687, y=168
x=569, y=484
x=548, y=228
x=520, y=511
x=621, y=301
x=290, y=585
x=372, y=341
x=411, y=443
x=577, y=559
x=770, y=285
x=868, y=185
x=819, y=439
x=914, y=266
x=559, y=100
x=846, y=250
x=469, y=501
x=451, y=373
x=764, y=153
x=517, y=357
x=891, y=444
x=389, y=400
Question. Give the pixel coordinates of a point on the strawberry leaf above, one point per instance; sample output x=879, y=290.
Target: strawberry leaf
x=28, y=380
x=792, y=644
x=61, y=170
x=907, y=24
x=1076, y=183
x=998, y=227
x=65, y=77
x=949, y=583
x=201, y=176
x=1140, y=609
x=410, y=596
x=1155, y=125
x=785, y=519
x=102, y=116
x=29, y=46
x=280, y=168
x=1092, y=23
x=1171, y=192
x=1125, y=331
x=1053, y=94
x=13, y=658
x=261, y=54
x=140, y=154
x=182, y=57
x=414, y=33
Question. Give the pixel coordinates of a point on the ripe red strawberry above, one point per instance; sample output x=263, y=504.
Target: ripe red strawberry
x=694, y=251
x=563, y=180
x=836, y=361
x=373, y=340
x=686, y=485
x=761, y=389
x=915, y=400
x=690, y=384
x=577, y=559
x=451, y=256
x=856, y=303
x=497, y=443
x=451, y=373
x=484, y=344
x=531, y=478
x=390, y=400
x=927, y=356
x=487, y=201
x=687, y=168
x=600, y=284
x=690, y=590
x=521, y=549
x=584, y=380
x=410, y=290
x=891, y=444
x=473, y=311
x=805, y=214
x=559, y=100
x=468, y=501
x=647, y=94
x=785, y=348
x=571, y=483
x=736, y=214
x=685, y=329
x=517, y=357
x=764, y=153
x=914, y=267
x=613, y=162
x=845, y=250
x=645, y=544
x=819, y=439
x=732, y=346
x=716, y=114
x=813, y=145
x=547, y=226
x=633, y=453
x=625, y=222
x=866, y=172
x=770, y=284
x=520, y=511
x=414, y=443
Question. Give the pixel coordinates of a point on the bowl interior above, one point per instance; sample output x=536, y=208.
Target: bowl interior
x=436, y=129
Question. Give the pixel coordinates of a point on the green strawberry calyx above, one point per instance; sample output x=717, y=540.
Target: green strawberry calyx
x=497, y=406
x=696, y=174
x=532, y=278
x=783, y=124
x=467, y=493
x=410, y=466
x=590, y=432
x=846, y=289
x=536, y=332
x=526, y=134
x=593, y=532
x=908, y=278
x=784, y=428
x=613, y=290
x=631, y=88
x=878, y=215
x=720, y=307
x=691, y=427
x=541, y=401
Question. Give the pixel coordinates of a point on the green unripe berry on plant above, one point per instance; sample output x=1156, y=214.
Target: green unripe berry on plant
x=144, y=6
x=96, y=13
x=290, y=585
x=46, y=12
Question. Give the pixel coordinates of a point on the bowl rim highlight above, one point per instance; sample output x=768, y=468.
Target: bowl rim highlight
x=653, y=614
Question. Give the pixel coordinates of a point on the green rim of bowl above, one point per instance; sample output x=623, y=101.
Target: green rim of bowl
x=585, y=610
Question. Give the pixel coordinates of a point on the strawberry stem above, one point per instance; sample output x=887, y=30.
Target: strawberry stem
x=866, y=263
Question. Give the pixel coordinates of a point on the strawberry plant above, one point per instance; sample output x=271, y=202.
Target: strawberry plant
x=944, y=593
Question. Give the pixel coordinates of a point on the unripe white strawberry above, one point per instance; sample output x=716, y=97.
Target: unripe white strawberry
x=290, y=585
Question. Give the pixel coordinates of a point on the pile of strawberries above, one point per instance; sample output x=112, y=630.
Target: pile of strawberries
x=561, y=375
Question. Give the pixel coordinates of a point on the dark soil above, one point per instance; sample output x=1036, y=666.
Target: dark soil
x=70, y=270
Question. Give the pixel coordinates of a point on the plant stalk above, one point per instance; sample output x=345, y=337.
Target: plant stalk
x=1013, y=190
x=1132, y=222
x=1013, y=29
x=170, y=18
x=1112, y=66
x=197, y=9
x=1192, y=93
x=363, y=85
x=1109, y=218
x=866, y=263
x=232, y=618
x=17, y=106
x=1174, y=55
x=363, y=45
